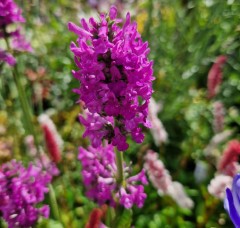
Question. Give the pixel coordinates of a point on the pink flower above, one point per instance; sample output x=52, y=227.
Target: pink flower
x=158, y=174
x=177, y=192
x=162, y=181
x=52, y=138
x=157, y=129
x=228, y=162
x=219, y=184
x=215, y=76
x=218, y=116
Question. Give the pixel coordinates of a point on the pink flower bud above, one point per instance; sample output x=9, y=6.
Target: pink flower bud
x=227, y=163
x=215, y=76
x=52, y=139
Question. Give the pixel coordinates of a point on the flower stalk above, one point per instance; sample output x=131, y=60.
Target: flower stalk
x=26, y=108
x=53, y=202
x=119, y=163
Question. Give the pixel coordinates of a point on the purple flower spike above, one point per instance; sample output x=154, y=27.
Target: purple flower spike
x=99, y=176
x=115, y=77
x=10, y=13
x=21, y=189
x=232, y=201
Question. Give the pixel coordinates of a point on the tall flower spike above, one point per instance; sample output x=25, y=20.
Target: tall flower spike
x=10, y=13
x=53, y=140
x=21, y=189
x=215, y=76
x=219, y=184
x=158, y=175
x=228, y=162
x=162, y=181
x=115, y=76
x=99, y=173
x=157, y=129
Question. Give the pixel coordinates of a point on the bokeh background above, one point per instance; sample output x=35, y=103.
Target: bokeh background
x=185, y=38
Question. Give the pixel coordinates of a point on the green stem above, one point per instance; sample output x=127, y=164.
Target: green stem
x=110, y=217
x=23, y=102
x=26, y=108
x=1, y=223
x=119, y=161
x=54, y=204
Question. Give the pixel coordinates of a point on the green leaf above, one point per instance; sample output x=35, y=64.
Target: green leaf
x=124, y=219
x=49, y=224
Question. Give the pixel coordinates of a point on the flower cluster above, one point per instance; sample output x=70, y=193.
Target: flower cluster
x=157, y=129
x=52, y=138
x=115, y=77
x=228, y=163
x=215, y=76
x=232, y=202
x=218, y=185
x=21, y=189
x=100, y=178
x=227, y=168
x=218, y=116
x=162, y=181
x=10, y=13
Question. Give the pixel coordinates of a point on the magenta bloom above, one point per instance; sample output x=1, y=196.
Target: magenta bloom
x=21, y=189
x=10, y=13
x=97, y=128
x=7, y=58
x=19, y=42
x=115, y=75
x=99, y=176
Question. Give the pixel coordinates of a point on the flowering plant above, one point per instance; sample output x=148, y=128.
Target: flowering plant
x=21, y=189
x=115, y=78
x=10, y=13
